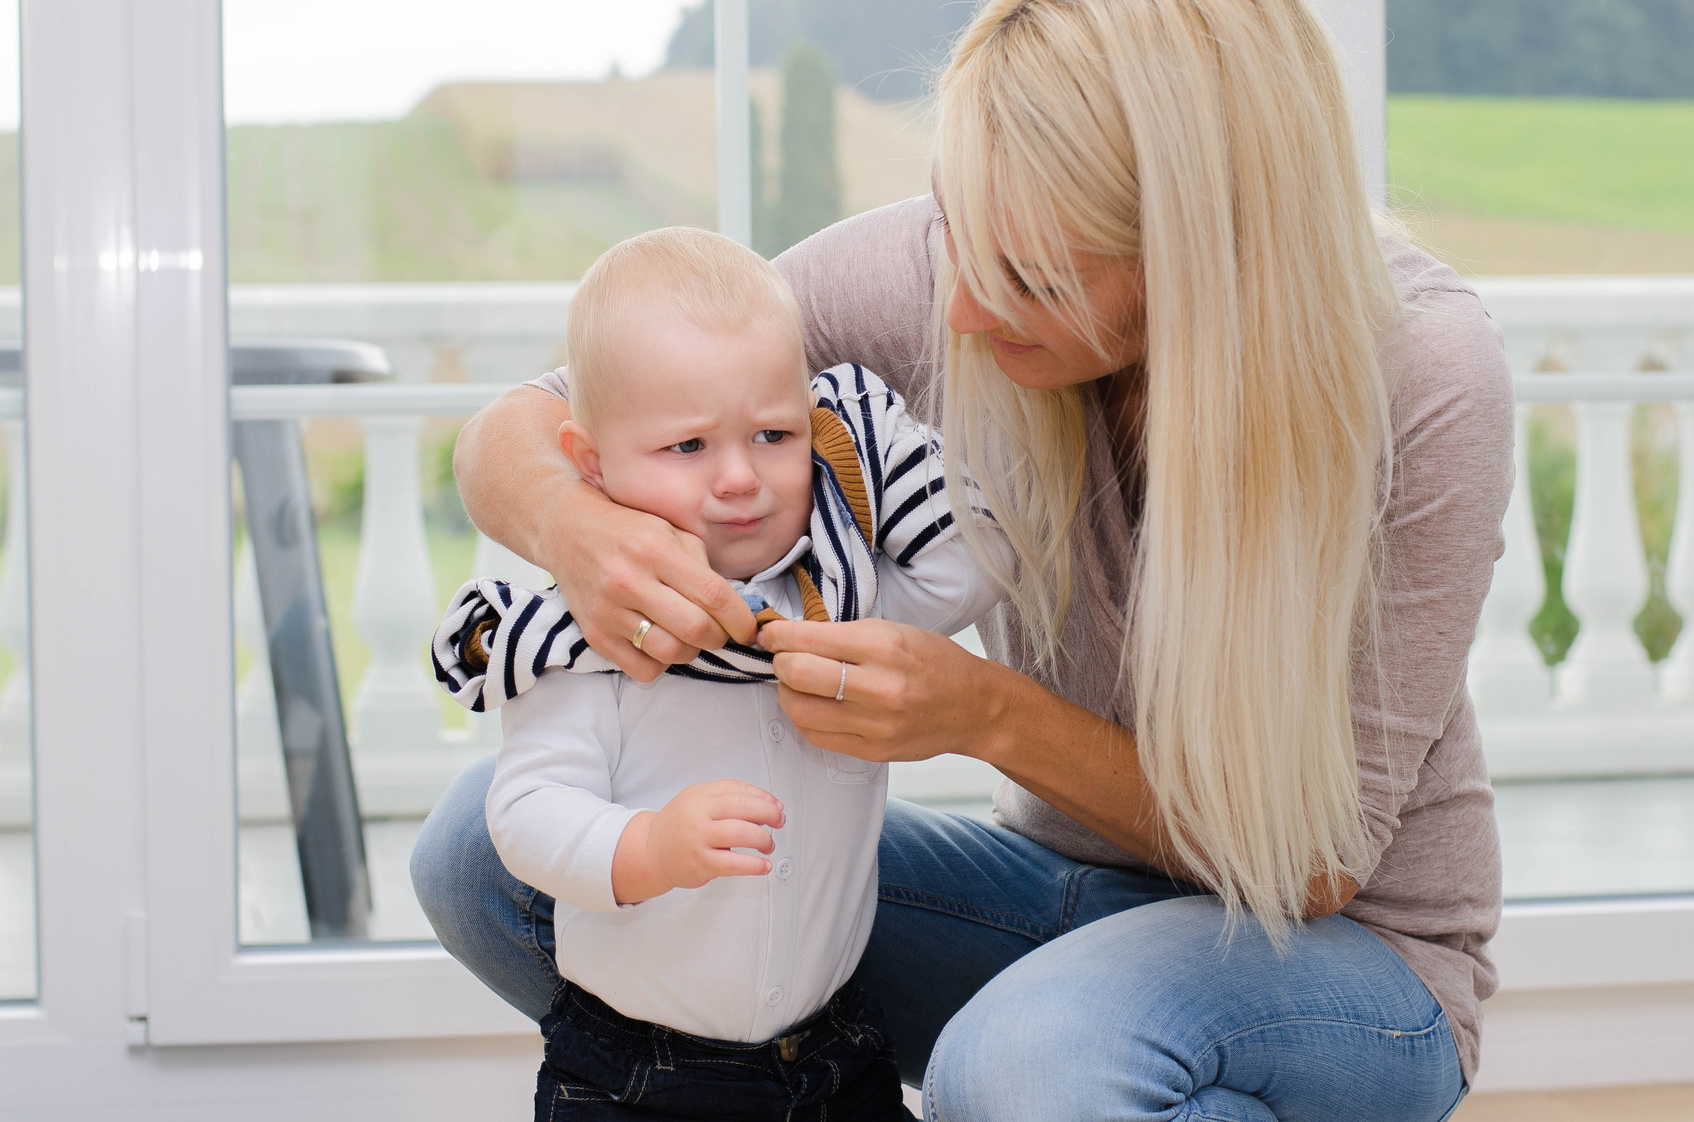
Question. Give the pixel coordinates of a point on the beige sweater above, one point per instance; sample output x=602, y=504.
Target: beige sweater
x=1433, y=890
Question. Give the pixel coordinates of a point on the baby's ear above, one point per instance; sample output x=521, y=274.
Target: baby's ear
x=577, y=443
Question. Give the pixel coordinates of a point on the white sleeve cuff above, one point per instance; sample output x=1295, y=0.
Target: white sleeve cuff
x=590, y=875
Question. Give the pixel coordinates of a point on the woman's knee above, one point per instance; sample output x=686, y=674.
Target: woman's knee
x=1128, y=1017
x=1107, y=1021
x=453, y=851
x=1022, y=1049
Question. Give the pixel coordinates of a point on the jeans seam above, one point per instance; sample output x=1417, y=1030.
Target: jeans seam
x=531, y=927
x=1072, y=894
x=1211, y=1050
x=1002, y=921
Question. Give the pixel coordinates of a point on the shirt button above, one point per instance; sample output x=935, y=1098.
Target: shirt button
x=784, y=869
x=774, y=997
x=775, y=729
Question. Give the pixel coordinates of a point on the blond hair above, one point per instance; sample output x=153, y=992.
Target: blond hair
x=1210, y=142
x=714, y=282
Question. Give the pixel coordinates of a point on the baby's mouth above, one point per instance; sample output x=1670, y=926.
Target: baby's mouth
x=742, y=525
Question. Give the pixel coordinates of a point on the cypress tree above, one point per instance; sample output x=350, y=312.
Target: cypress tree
x=764, y=238
x=810, y=198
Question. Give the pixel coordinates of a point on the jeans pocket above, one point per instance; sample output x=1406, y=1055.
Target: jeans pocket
x=581, y=1092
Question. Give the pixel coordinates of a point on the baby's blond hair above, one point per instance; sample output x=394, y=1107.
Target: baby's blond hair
x=715, y=283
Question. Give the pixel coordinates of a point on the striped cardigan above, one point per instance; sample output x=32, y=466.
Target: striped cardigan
x=874, y=472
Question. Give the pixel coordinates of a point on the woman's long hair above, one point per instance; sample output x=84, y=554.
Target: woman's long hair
x=1210, y=142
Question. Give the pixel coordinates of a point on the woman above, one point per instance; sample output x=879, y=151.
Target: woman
x=1253, y=460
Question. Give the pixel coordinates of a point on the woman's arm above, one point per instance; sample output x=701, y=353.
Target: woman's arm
x=911, y=695
x=864, y=287
x=615, y=566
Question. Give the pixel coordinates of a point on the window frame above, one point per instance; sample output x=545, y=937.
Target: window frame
x=127, y=410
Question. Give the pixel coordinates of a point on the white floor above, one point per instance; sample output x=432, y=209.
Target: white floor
x=1614, y=837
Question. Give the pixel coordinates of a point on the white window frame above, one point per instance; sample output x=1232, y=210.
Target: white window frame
x=128, y=412
x=128, y=444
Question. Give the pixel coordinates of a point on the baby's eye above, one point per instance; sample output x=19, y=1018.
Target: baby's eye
x=769, y=436
x=687, y=446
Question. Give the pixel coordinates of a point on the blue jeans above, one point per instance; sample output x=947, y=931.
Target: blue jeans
x=1022, y=985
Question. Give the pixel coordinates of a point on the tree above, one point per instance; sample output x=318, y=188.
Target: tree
x=810, y=197
x=764, y=236
x=1579, y=48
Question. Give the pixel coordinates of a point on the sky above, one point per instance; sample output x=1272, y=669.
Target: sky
x=340, y=60
x=319, y=60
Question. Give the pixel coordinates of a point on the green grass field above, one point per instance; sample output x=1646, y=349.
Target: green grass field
x=1609, y=163
x=401, y=200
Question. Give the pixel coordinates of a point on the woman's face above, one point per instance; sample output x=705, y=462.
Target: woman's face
x=1045, y=352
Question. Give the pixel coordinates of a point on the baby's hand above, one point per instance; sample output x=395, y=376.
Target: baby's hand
x=694, y=838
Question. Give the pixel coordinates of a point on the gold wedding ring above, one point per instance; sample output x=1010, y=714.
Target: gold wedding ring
x=841, y=690
x=641, y=633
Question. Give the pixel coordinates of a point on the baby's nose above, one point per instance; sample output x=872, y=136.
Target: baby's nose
x=737, y=477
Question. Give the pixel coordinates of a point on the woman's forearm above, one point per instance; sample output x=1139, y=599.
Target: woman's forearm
x=1078, y=763
x=516, y=484
x=907, y=694
x=1089, y=769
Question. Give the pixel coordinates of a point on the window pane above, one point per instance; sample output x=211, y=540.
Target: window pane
x=17, y=851
x=1537, y=148
x=840, y=106
x=413, y=189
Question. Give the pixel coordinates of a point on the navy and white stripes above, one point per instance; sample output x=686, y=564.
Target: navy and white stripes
x=896, y=503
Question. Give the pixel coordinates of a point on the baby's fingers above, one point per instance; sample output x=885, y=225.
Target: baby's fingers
x=732, y=833
x=731, y=798
x=728, y=863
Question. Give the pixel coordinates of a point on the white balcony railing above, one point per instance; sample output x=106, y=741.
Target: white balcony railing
x=1601, y=344
x=1605, y=710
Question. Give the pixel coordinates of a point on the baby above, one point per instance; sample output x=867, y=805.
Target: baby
x=715, y=873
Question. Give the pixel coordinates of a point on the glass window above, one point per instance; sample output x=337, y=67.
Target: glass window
x=1543, y=150
x=412, y=189
x=840, y=106
x=17, y=850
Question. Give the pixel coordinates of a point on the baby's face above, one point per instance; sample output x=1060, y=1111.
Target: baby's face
x=711, y=432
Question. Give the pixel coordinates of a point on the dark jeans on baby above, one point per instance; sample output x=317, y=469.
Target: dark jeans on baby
x=835, y=1067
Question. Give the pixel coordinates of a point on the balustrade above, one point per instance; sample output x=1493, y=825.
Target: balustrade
x=1676, y=675
x=1600, y=345
x=1597, y=344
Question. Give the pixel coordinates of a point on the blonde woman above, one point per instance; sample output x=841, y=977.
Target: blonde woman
x=1253, y=457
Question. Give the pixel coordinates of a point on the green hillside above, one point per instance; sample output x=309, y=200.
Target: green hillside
x=1499, y=185
x=401, y=200
x=1627, y=165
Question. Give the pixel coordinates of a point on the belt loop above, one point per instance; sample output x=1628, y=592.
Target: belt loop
x=662, y=1048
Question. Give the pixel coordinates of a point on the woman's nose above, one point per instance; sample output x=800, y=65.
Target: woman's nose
x=965, y=314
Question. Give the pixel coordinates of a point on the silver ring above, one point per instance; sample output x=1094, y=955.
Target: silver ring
x=841, y=690
x=641, y=633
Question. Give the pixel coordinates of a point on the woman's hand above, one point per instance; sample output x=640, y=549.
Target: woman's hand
x=912, y=694
x=615, y=566
x=909, y=694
